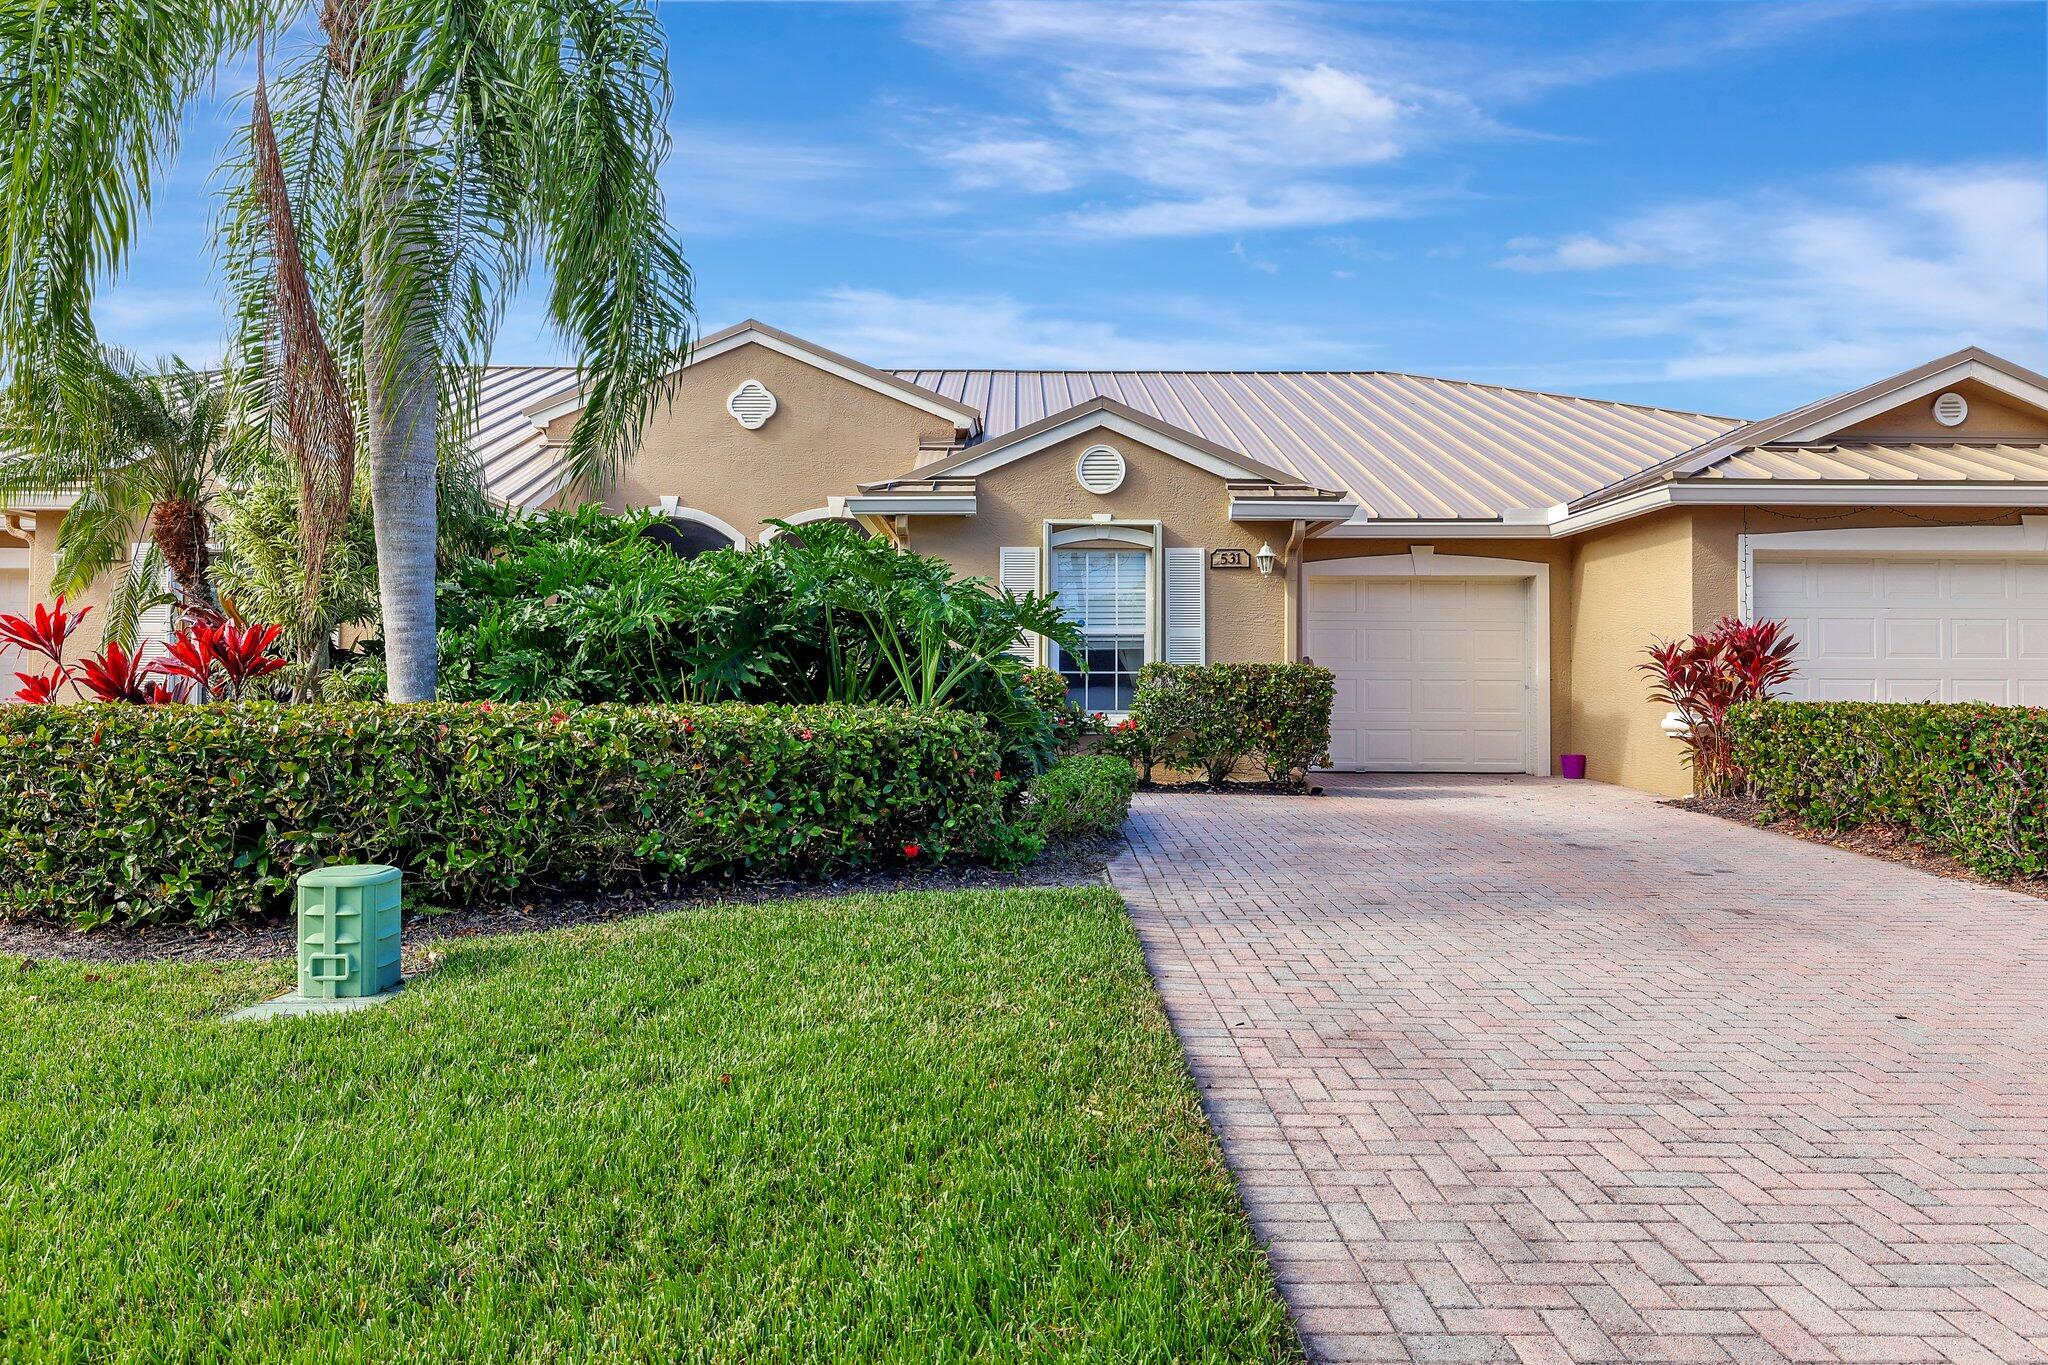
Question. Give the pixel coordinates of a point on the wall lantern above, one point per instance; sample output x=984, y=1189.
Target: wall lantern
x=1266, y=560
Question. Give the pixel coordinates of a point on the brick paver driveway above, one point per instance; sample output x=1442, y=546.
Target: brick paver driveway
x=1512, y=1068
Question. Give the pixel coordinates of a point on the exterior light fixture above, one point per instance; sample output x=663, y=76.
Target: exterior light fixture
x=1266, y=560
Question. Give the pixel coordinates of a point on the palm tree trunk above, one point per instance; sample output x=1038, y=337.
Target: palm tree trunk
x=403, y=406
x=178, y=529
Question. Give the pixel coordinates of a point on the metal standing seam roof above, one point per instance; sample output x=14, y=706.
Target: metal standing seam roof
x=1890, y=462
x=1404, y=446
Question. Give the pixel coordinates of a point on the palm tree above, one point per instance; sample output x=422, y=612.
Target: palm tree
x=143, y=451
x=403, y=177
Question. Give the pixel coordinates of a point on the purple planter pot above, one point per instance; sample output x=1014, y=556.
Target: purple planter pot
x=1571, y=765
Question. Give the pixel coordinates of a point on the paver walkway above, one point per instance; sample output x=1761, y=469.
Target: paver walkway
x=1524, y=1069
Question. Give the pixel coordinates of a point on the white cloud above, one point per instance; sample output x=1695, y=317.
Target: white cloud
x=1876, y=271
x=996, y=330
x=717, y=180
x=1217, y=117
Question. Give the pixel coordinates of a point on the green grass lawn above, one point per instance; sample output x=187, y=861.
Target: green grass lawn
x=931, y=1126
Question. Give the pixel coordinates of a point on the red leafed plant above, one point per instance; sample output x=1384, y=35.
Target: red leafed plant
x=39, y=689
x=221, y=656
x=114, y=674
x=44, y=635
x=1702, y=676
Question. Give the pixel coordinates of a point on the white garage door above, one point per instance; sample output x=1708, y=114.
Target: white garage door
x=1433, y=674
x=14, y=600
x=1912, y=629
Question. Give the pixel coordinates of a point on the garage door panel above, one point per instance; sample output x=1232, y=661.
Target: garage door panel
x=1845, y=637
x=1333, y=645
x=1908, y=637
x=1906, y=579
x=1980, y=638
x=1836, y=579
x=1981, y=581
x=1906, y=628
x=1438, y=673
x=1997, y=692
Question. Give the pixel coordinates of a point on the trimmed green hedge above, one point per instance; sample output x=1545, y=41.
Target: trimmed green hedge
x=205, y=813
x=1084, y=794
x=1209, y=718
x=1968, y=778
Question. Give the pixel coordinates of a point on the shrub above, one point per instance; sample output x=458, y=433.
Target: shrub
x=1210, y=718
x=587, y=606
x=1071, y=726
x=1970, y=779
x=205, y=813
x=1702, y=676
x=1084, y=794
x=1132, y=743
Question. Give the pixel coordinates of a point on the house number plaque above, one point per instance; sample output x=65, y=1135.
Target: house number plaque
x=1230, y=559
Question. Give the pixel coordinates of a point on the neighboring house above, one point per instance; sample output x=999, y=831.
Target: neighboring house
x=1481, y=566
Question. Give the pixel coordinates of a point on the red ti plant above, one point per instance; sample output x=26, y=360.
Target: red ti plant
x=1702, y=676
x=221, y=656
x=45, y=635
x=114, y=674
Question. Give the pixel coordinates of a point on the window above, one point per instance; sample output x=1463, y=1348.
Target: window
x=686, y=539
x=1105, y=592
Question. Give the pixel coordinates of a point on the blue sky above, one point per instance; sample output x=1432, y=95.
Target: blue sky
x=1731, y=208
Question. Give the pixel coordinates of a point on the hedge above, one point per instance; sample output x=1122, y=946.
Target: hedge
x=1209, y=718
x=1970, y=779
x=1085, y=794
x=205, y=813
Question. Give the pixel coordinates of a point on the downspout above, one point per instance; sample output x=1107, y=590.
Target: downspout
x=1290, y=646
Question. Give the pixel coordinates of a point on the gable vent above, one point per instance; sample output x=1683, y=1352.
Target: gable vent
x=1950, y=409
x=1100, y=470
x=751, y=404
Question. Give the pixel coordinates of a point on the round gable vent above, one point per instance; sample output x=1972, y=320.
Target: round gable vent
x=751, y=405
x=1099, y=470
x=1950, y=409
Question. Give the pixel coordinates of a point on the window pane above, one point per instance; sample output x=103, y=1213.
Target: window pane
x=1103, y=592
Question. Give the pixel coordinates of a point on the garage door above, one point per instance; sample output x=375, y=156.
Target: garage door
x=1432, y=673
x=14, y=600
x=1912, y=629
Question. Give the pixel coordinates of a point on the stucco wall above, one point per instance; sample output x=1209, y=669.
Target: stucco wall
x=1630, y=584
x=827, y=435
x=1992, y=417
x=42, y=562
x=1246, y=611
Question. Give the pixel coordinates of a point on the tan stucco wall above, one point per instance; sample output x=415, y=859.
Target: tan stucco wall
x=1629, y=585
x=1246, y=611
x=827, y=435
x=1992, y=418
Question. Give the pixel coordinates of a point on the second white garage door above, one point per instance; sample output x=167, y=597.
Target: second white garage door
x=1433, y=674
x=1901, y=628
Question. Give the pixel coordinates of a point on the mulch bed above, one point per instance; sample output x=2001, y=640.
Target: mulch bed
x=1878, y=841
x=1079, y=862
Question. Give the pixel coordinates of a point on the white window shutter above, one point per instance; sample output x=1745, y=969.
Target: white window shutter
x=1187, y=612
x=1017, y=573
x=153, y=627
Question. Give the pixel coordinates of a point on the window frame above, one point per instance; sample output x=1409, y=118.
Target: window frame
x=1099, y=533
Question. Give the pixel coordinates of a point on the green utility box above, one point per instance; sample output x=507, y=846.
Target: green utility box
x=348, y=931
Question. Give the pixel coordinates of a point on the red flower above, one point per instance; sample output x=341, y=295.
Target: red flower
x=559, y=717
x=910, y=850
x=46, y=634
x=803, y=734
x=486, y=706
x=40, y=691
x=689, y=727
x=999, y=774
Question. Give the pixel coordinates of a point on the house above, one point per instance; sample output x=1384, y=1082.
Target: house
x=1480, y=566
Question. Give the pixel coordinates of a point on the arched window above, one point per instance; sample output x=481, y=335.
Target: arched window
x=686, y=532
x=833, y=514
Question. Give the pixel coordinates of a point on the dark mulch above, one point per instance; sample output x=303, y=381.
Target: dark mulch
x=1879, y=841
x=1078, y=862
